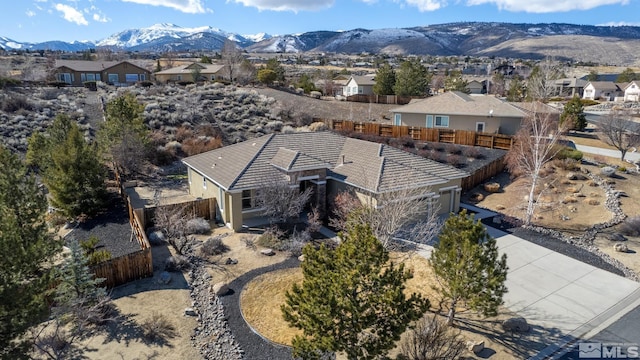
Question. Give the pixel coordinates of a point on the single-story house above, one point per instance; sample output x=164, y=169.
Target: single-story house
x=632, y=91
x=569, y=87
x=76, y=72
x=460, y=111
x=186, y=73
x=606, y=90
x=476, y=87
x=359, y=85
x=324, y=161
x=540, y=108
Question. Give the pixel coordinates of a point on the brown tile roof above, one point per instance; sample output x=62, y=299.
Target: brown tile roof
x=371, y=166
x=458, y=103
x=85, y=65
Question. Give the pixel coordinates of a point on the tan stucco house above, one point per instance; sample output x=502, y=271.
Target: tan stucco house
x=186, y=73
x=460, y=111
x=324, y=161
x=119, y=73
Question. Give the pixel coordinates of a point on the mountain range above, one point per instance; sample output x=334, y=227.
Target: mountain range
x=615, y=45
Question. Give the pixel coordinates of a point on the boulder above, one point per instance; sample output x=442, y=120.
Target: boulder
x=165, y=277
x=475, y=346
x=608, y=171
x=156, y=237
x=616, y=237
x=620, y=247
x=301, y=258
x=493, y=187
x=267, y=252
x=220, y=289
x=516, y=324
x=190, y=312
x=575, y=176
x=230, y=261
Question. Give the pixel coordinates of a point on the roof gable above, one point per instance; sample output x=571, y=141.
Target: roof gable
x=458, y=103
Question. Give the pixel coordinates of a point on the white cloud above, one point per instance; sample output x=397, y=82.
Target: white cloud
x=30, y=13
x=186, y=6
x=100, y=18
x=620, y=23
x=288, y=5
x=427, y=5
x=71, y=14
x=546, y=6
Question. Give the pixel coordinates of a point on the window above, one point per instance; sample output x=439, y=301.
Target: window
x=480, y=126
x=442, y=121
x=142, y=77
x=247, y=200
x=360, y=90
x=397, y=119
x=65, y=78
x=221, y=199
x=131, y=78
x=429, y=121
x=113, y=78
x=204, y=182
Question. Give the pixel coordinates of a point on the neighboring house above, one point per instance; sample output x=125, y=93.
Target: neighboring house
x=119, y=73
x=632, y=91
x=539, y=108
x=605, y=90
x=476, y=87
x=359, y=85
x=570, y=87
x=186, y=72
x=324, y=161
x=460, y=111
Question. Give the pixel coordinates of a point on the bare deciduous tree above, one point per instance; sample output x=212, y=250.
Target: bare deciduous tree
x=620, y=131
x=432, y=339
x=533, y=146
x=281, y=201
x=231, y=59
x=541, y=82
x=402, y=215
x=172, y=221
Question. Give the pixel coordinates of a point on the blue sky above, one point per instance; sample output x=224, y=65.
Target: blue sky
x=67, y=20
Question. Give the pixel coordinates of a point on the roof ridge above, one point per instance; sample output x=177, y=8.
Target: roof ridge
x=293, y=160
x=249, y=163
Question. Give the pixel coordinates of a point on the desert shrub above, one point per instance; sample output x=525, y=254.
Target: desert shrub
x=453, y=149
x=455, y=160
x=592, y=201
x=145, y=84
x=214, y=246
x=157, y=327
x=303, y=119
x=622, y=169
x=196, y=146
x=161, y=156
x=588, y=102
x=471, y=152
x=288, y=129
x=631, y=226
x=493, y=187
x=184, y=83
x=176, y=263
x=439, y=147
x=273, y=238
x=183, y=133
x=13, y=103
x=8, y=82
x=566, y=164
x=198, y=226
x=403, y=142
x=318, y=126
x=569, y=200
x=569, y=153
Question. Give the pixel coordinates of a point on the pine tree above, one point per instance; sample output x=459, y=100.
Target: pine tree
x=351, y=299
x=76, y=178
x=412, y=79
x=468, y=268
x=573, y=117
x=385, y=80
x=26, y=252
x=455, y=82
x=41, y=145
x=124, y=134
x=627, y=75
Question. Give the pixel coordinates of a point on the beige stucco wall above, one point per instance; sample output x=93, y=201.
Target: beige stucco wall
x=500, y=125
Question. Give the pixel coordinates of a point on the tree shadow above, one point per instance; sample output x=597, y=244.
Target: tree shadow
x=127, y=329
x=523, y=345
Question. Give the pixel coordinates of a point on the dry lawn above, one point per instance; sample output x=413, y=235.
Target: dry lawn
x=261, y=300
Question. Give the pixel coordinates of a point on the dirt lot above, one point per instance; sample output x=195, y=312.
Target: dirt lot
x=330, y=109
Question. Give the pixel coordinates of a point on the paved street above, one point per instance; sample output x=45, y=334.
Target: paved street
x=633, y=156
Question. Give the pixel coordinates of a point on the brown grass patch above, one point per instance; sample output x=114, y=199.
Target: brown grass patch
x=569, y=200
x=260, y=302
x=592, y=201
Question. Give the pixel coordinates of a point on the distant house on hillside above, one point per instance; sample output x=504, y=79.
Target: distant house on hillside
x=476, y=87
x=570, y=87
x=632, y=91
x=119, y=73
x=359, y=85
x=186, y=73
x=460, y=111
x=603, y=90
x=325, y=162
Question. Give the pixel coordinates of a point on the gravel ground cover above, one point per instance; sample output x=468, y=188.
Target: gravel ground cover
x=255, y=346
x=111, y=227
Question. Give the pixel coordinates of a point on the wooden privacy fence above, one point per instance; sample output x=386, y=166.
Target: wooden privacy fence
x=202, y=208
x=451, y=136
x=132, y=266
x=382, y=99
x=482, y=174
